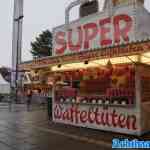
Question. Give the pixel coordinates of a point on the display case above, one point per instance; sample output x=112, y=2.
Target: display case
x=105, y=98
x=110, y=86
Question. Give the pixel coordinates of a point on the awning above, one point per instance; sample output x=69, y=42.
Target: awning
x=129, y=53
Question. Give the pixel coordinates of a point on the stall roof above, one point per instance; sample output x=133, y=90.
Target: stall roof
x=130, y=49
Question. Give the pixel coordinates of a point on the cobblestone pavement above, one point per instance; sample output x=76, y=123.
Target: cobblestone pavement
x=22, y=130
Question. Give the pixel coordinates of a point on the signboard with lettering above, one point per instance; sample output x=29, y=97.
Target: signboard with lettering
x=132, y=49
x=110, y=119
x=95, y=31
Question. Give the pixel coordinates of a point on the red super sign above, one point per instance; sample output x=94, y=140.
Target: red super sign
x=87, y=33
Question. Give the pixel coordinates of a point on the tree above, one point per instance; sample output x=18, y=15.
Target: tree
x=42, y=46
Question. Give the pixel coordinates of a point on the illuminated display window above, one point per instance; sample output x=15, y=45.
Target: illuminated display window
x=119, y=2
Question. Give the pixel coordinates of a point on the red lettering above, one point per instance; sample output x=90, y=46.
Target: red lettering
x=76, y=113
x=72, y=117
x=91, y=31
x=78, y=46
x=122, y=32
x=83, y=36
x=95, y=116
x=114, y=117
x=122, y=121
x=107, y=120
x=60, y=40
x=66, y=115
x=91, y=116
x=103, y=118
x=57, y=112
x=104, y=32
x=131, y=122
x=83, y=117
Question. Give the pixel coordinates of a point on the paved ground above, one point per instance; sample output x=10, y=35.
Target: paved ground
x=22, y=130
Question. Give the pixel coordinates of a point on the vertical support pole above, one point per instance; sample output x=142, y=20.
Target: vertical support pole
x=138, y=98
x=16, y=43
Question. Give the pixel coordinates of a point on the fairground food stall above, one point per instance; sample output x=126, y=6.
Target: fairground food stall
x=37, y=80
x=100, y=70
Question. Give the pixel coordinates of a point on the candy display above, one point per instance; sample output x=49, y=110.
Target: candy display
x=113, y=85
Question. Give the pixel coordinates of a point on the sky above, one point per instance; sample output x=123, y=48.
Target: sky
x=39, y=15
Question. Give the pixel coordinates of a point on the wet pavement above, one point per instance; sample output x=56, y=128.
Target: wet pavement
x=22, y=130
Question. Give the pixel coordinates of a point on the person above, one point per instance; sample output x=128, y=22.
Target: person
x=10, y=102
x=41, y=96
x=29, y=98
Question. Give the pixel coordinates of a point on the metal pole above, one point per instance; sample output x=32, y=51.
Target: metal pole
x=17, y=53
x=16, y=77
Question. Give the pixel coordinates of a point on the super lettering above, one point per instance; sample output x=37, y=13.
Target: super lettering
x=106, y=30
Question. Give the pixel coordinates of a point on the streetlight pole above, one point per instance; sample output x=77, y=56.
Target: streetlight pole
x=17, y=57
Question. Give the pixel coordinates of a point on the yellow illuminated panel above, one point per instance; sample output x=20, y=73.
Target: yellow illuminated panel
x=146, y=54
x=96, y=63
x=118, y=60
x=143, y=58
x=74, y=66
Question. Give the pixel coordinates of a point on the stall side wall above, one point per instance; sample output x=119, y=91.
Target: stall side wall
x=145, y=98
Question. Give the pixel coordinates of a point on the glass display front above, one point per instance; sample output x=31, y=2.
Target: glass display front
x=109, y=85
